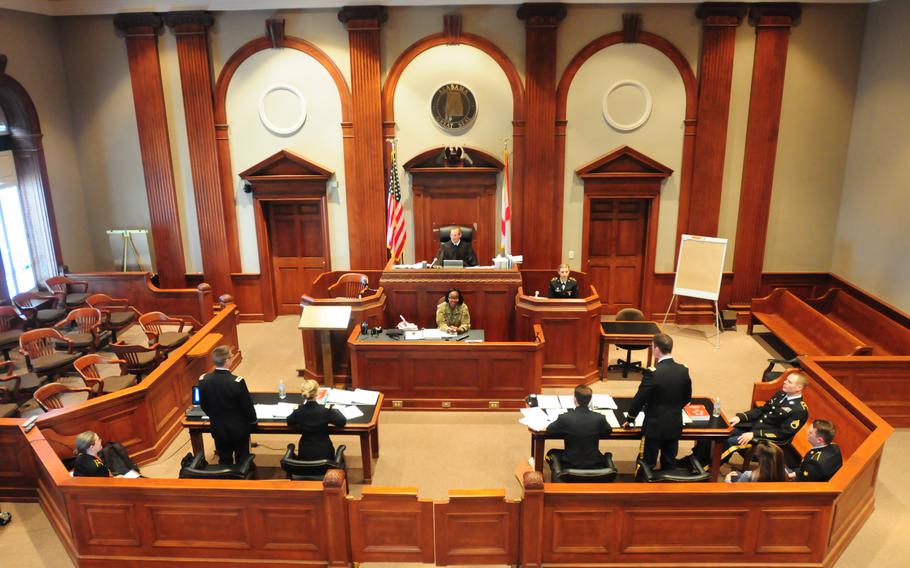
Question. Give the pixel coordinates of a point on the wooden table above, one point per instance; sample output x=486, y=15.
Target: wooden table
x=716, y=430
x=624, y=333
x=365, y=427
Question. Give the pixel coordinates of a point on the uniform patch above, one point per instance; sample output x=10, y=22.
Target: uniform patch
x=794, y=425
x=238, y=379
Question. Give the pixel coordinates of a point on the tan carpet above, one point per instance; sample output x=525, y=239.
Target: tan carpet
x=437, y=451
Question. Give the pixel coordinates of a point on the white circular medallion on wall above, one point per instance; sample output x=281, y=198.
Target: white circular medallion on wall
x=453, y=108
x=627, y=105
x=291, y=108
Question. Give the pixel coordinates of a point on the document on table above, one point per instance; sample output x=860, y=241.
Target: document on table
x=548, y=401
x=535, y=419
x=553, y=413
x=567, y=401
x=350, y=412
x=339, y=396
x=603, y=401
x=273, y=411
x=610, y=416
x=685, y=417
x=436, y=334
x=364, y=396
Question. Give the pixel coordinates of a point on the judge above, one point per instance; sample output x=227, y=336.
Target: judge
x=456, y=249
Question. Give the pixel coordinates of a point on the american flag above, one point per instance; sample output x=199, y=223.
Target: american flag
x=396, y=236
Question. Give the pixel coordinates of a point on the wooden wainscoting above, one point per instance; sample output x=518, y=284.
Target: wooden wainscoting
x=476, y=527
x=391, y=524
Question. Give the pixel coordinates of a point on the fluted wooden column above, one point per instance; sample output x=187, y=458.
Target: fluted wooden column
x=538, y=209
x=217, y=225
x=141, y=33
x=365, y=195
x=699, y=213
x=772, y=28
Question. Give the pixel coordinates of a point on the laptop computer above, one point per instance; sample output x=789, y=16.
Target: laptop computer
x=453, y=264
x=195, y=411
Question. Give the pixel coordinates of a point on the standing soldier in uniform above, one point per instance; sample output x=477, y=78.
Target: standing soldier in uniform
x=227, y=402
x=563, y=286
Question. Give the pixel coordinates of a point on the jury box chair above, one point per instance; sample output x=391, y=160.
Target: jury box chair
x=72, y=293
x=157, y=326
x=140, y=360
x=87, y=367
x=41, y=355
x=56, y=395
x=629, y=314
x=117, y=314
x=12, y=325
x=82, y=326
x=40, y=309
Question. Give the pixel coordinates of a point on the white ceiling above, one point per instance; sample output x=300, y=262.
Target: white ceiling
x=85, y=7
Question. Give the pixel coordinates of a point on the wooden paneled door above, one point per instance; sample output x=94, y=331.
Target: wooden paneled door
x=617, y=233
x=299, y=249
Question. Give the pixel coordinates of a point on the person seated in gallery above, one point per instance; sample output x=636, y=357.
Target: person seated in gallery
x=582, y=429
x=563, y=286
x=88, y=462
x=456, y=249
x=453, y=315
x=312, y=420
x=777, y=421
x=824, y=459
x=770, y=466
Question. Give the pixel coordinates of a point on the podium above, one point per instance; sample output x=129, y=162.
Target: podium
x=322, y=320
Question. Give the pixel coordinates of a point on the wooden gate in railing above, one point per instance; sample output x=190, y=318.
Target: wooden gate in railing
x=470, y=527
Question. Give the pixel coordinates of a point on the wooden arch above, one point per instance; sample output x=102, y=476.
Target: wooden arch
x=222, y=137
x=689, y=83
x=28, y=149
x=435, y=40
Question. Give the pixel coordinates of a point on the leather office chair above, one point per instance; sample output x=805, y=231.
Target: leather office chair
x=41, y=310
x=87, y=367
x=629, y=314
x=116, y=313
x=559, y=473
x=770, y=375
x=41, y=355
x=140, y=359
x=73, y=293
x=55, y=395
x=348, y=285
x=694, y=472
x=156, y=326
x=82, y=326
x=442, y=233
x=311, y=470
x=201, y=469
x=12, y=324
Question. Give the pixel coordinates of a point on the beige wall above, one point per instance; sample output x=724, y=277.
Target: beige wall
x=104, y=125
x=870, y=247
x=822, y=66
x=31, y=43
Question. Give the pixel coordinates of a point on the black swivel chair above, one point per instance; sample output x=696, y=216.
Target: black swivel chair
x=311, y=470
x=442, y=233
x=200, y=469
x=560, y=473
x=770, y=374
x=629, y=314
x=693, y=473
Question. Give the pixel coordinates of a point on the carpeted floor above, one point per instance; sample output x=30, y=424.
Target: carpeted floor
x=438, y=451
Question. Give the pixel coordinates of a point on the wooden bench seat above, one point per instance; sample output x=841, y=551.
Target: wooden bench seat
x=884, y=335
x=804, y=329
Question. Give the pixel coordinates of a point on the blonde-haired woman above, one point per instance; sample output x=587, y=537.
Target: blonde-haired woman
x=312, y=420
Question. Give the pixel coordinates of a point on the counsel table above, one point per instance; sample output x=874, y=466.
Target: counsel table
x=716, y=430
x=365, y=427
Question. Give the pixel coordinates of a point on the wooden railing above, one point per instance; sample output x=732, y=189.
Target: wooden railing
x=153, y=522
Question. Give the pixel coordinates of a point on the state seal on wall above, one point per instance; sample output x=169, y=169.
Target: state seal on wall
x=453, y=107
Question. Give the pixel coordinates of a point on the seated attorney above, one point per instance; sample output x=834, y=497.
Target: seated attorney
x=456, y=249
x=312, y=420
x=770, y=466
x=563, y=286
x=582, y=429
x=453, y=315
x=88, y=463
x=824, y=459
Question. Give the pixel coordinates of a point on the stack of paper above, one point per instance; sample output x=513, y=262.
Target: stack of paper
x=364, y=396
x=339, y=396
x=603, y=401
x=350, y=412
x=610, y=416
x=274, y=411
x=535, y=419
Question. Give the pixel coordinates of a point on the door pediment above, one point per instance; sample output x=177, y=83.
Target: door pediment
x=285, y=165
x=624, y=163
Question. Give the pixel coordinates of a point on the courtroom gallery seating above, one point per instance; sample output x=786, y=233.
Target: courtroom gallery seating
x=311, y=470
x=41, y=355
x=12, y=324
x=73, y=293
x=87, y=367
x=117, y=313
x=884, y=335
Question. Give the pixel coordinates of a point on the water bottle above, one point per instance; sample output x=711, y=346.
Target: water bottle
x=716, y=412
x=282, y=393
